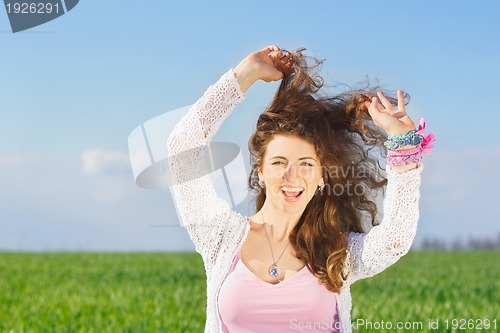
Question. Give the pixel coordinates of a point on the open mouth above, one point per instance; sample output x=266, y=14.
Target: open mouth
x=292, y=194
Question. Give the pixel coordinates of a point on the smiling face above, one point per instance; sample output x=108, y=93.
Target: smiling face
x=290, y=166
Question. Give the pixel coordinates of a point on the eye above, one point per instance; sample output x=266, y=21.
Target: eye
x=277, y=162
x=308, y=164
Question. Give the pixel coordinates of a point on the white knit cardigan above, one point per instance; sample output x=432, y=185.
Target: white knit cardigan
x=217, y=231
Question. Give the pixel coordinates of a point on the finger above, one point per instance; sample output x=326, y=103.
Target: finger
x=286, y=55
x=288, y=66
x=284, y=63
x=270, y=48
x=279, y=66
x=286, y=59
x=278, y=54
x=385, y=101
x=270, y=51
x=401, y=101
x=367, y=105
x=373, y=109
x=380, y=107
x=377, y=105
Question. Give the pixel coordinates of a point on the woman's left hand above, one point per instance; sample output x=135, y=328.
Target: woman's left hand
x=393, y=122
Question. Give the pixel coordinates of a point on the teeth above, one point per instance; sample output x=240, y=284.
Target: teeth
x=289, y=189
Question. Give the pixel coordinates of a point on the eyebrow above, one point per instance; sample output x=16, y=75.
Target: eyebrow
x=302, y=158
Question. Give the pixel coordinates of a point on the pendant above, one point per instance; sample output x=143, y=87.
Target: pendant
x=274, y=271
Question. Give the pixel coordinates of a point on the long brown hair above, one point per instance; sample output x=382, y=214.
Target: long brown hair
x=343, y=134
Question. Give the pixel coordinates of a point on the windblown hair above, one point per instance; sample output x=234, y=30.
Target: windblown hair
x=343, y=134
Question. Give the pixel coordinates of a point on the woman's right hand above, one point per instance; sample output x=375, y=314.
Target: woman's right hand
x=268, y=64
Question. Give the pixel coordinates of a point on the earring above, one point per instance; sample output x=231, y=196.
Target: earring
x=321, y=187
x=262, y=184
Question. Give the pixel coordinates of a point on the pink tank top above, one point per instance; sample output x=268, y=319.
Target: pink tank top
x=300, y=303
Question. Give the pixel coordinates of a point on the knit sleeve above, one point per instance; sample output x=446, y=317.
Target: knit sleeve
x=207, y=218
x=372, y=252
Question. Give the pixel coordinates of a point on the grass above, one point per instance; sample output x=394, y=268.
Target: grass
x=432, y=286
x=165, y=292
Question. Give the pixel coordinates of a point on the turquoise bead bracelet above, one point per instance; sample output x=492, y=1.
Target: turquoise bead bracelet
x=394, y=142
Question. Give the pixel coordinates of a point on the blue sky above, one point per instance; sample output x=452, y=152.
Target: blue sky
x=73, y=89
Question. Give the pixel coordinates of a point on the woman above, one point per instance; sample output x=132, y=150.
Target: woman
x=288, y=268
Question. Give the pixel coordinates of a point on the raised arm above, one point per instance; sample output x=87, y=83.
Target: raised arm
x=372, y=252
x=267, y=64
x=208, y=218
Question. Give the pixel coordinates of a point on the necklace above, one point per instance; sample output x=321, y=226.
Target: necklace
x=274, y=271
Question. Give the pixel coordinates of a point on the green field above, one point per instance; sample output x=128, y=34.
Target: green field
x=165, y=292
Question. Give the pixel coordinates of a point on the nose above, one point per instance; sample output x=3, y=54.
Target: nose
x=290, y=172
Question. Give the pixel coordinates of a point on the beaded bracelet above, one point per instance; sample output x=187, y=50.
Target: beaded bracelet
x=414, y=155
x=396, y=141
